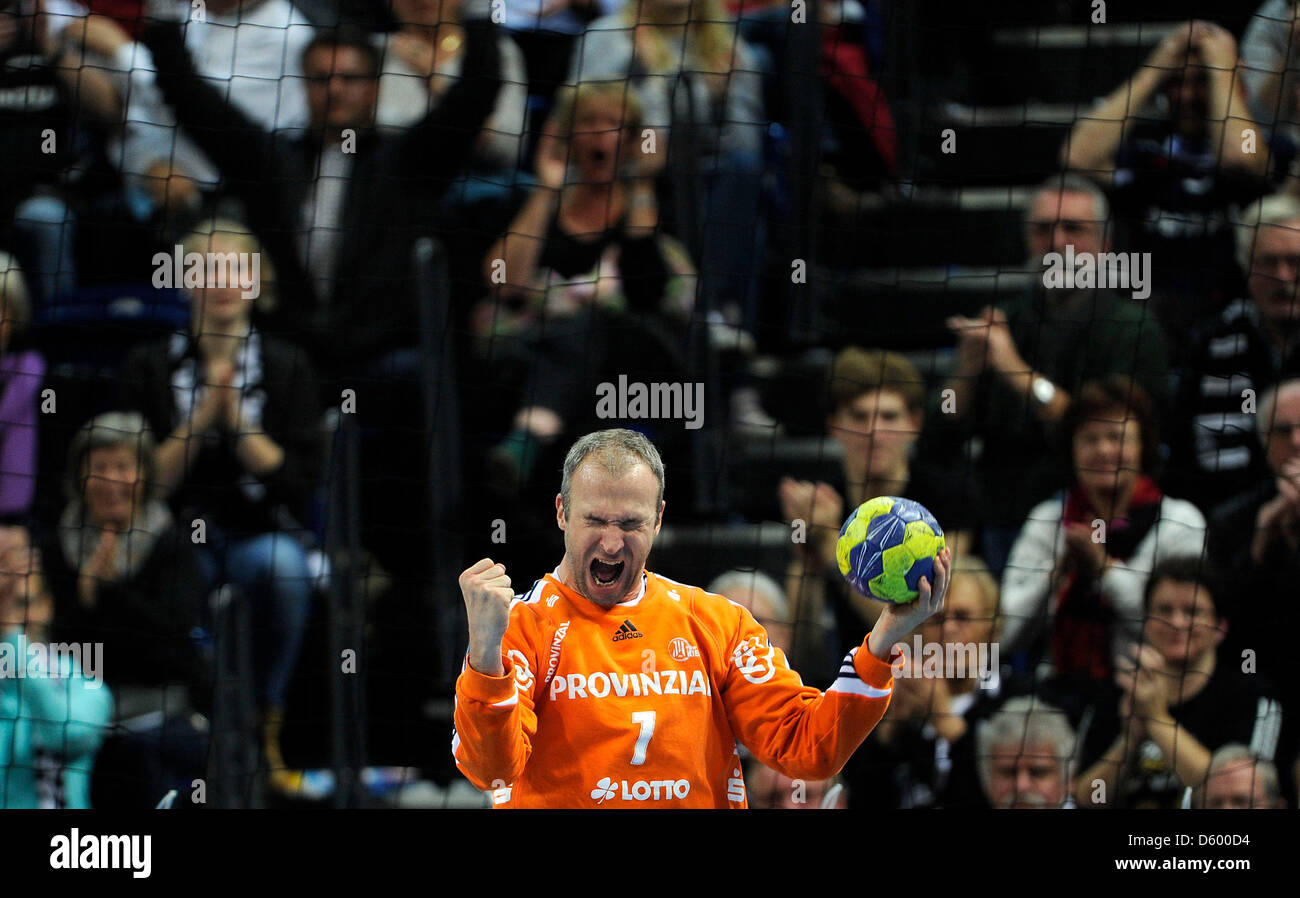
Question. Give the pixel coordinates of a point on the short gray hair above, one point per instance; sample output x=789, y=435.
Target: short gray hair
x=1235, y=753
x=1274, y=209
x=738, y=579
x=617, y=450
x=110, y=431
x=1069, y=182
x=1023, y=721
x=1267, y=406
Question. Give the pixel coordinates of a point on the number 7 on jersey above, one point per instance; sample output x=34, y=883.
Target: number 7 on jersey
x=647, y=721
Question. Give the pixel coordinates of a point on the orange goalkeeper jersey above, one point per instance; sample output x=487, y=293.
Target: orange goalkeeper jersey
x=643, y=704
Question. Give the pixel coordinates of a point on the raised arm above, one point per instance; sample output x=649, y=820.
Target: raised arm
x=1227, y=113
x=441, y=143
x=238, y=146
x=91, y=90
x=1270, y=51
x=798, y=730
x=1095, y=138
x=503, y=134
x=494, y=715
x=521, y=246
x=641, y=262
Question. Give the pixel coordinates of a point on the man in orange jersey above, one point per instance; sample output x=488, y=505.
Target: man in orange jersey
x=605, y=685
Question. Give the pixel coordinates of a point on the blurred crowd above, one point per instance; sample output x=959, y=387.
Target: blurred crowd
x=612, y=186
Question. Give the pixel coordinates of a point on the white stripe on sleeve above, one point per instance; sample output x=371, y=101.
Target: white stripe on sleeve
x=855, y=686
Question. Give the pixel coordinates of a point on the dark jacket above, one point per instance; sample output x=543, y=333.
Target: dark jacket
x=145, y=621
x=1023, y=460
x=1257, y=599
x=212, y=488
x=393, y=189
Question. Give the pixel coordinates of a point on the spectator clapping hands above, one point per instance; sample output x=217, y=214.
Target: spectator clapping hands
x=1279, y=519
x=820, y=506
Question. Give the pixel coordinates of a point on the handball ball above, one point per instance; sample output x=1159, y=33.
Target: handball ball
x=886, y=546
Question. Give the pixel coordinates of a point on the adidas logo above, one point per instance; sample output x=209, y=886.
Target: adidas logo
x=627, y=631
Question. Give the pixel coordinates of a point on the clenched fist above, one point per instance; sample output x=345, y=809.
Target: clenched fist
x=487, y=593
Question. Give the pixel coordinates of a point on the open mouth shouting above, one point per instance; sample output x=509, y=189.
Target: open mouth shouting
x=606, y=574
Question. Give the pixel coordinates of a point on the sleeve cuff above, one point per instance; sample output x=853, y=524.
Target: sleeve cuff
x=483, y=688
x=872, y=670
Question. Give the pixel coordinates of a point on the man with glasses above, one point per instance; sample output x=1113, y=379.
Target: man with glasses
x=1177, y=699
x=1254, y=343
x=338, y=209
x=1018, y=365
x=339, y=205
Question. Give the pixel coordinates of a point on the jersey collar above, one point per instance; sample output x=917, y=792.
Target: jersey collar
x=630, y=603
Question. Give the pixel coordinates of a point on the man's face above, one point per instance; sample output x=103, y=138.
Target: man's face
x=1235, y=786
x=611, y=525
x=341, y=88
x=878, y=427
x=1026, y=777
x=1275, y=274
x=1284, y=429
x=1059, y=219
x=1181, y=623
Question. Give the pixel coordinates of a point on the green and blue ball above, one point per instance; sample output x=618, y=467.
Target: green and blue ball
x=886, y=546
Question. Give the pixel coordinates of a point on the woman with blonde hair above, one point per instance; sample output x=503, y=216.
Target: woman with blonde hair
x=701, y=89
x=587, y=275
x=238, y=419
